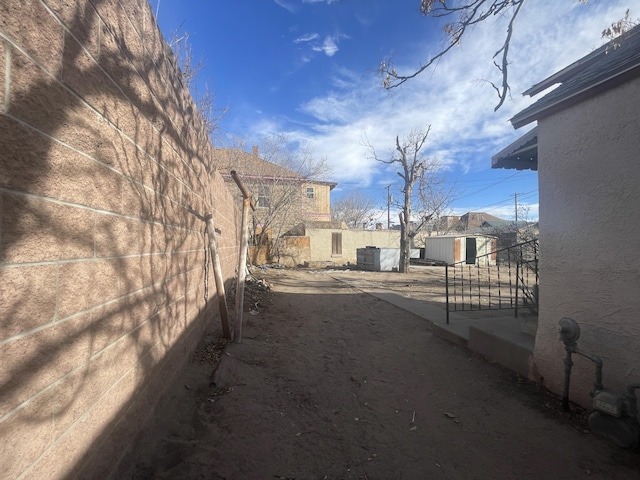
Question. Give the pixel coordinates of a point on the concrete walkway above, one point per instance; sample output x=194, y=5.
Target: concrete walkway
x=497, y=335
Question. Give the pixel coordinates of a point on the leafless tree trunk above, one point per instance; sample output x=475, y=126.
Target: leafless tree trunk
x=412, y=165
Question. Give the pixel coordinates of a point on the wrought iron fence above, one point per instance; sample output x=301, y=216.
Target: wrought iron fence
x=511, y=282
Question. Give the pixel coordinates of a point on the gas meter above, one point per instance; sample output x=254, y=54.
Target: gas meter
x=614, y=415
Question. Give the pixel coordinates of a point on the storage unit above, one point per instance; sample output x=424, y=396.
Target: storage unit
x=460, y=248
x=381, y=259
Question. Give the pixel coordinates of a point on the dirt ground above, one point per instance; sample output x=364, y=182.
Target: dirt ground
x=332, y=383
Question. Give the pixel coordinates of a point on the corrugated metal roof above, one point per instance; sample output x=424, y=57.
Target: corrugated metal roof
x=521, y=154
x=614, y=63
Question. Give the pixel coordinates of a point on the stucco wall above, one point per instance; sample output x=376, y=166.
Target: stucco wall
x=351, y=241
x=102, y=279
x=589, y=260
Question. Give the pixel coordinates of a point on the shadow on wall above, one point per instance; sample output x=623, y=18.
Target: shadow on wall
x=101, y=264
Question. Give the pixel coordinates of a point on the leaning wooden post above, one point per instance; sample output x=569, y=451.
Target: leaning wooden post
x=242, y=260
x=217, y=271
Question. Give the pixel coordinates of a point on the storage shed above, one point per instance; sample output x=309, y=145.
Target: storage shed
x=381, y=259
x=461, y=248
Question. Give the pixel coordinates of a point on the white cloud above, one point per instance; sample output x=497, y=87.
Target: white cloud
x=286, y=5
x=307, y=37
x=329, y=46
x=453, y=97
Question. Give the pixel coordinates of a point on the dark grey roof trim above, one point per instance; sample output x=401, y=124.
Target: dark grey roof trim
x=520, y=155
x=542, y=109
x=606, y=67
x=564, y=74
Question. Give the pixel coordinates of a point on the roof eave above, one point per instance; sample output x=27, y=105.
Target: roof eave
x=521, y=154
x=612, y=79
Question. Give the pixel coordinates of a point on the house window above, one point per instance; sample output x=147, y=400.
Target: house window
x=310, y=192
x=336, y=244
x=263, y=196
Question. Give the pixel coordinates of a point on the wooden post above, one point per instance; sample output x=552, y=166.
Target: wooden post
x=242, y=267
x=217, y=273
x=247, y=203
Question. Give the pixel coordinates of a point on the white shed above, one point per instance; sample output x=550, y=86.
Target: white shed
x=382, y=259
x=460, y=248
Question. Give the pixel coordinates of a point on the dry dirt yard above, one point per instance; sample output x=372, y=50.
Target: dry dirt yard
x=332, y=383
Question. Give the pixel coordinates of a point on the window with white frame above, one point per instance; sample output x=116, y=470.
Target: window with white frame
x=311, y=192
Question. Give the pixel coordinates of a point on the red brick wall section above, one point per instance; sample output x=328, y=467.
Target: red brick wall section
x=101, y=265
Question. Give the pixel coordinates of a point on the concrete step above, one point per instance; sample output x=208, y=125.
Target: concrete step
x=501, y=339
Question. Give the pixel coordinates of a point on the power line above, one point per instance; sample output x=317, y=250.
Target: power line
x=488, y=186
x=523, y=196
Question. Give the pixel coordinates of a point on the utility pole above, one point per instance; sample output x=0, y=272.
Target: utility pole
x=388, y=207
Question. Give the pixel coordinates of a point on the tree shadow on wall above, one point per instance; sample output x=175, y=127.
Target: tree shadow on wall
x=103, y=154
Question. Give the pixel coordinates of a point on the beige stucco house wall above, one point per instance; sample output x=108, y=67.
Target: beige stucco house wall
x=589, y=261
x=322, y=243
x=585, y=148
x=317, y=206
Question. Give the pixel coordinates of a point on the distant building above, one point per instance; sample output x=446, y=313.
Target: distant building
x=283, y=197
x=464, y=223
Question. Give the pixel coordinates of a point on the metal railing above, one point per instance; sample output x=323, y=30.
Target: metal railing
x=503, y=279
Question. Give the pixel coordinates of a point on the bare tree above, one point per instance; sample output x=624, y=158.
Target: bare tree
x=210, y=114
x=614, y=31
x=353, y=209
x=413, y=166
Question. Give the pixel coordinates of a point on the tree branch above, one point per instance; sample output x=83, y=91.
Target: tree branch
x=468, y=14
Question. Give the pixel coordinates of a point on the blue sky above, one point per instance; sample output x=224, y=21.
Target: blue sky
x=306, y=68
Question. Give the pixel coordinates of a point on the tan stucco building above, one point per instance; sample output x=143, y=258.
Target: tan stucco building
x=326, y=244
x=283, y=197
x=585, y=148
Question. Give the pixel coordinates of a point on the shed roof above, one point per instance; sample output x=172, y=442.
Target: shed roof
x=612, y=64
x=460, y=235
x=521, y=154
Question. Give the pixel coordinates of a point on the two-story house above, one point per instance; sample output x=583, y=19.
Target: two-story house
x=284, y=198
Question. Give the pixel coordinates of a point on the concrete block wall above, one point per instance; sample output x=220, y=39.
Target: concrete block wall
x=102, y=267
